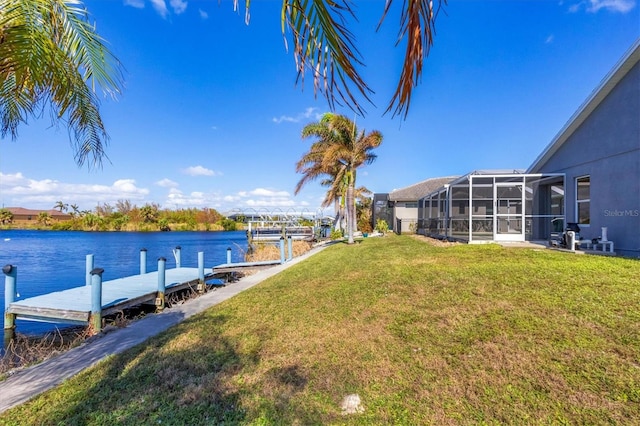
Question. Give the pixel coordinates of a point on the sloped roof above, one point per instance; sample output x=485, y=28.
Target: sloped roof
x=486, y=172
x=628, y=61
x=25, y=212
x=418, y=190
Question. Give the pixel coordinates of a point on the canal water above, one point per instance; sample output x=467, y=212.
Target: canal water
x=50, y=261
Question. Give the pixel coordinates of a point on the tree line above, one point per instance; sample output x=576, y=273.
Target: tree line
x=125, y=216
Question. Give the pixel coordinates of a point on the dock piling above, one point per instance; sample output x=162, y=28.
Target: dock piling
x=10, y=278
x=228, y=255
x=88, y=269
x=281, y=249
x=143, y=261
x=290, y=247
x=162, y=268
x=201, y=272
x=176, y=255
x=96, y=299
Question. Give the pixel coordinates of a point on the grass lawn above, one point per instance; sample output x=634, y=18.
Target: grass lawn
x=424, y=334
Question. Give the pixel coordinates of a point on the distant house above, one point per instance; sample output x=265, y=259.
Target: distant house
x=399, y=208
x=22, y=215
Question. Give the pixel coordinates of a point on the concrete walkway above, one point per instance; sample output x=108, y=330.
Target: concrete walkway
x=30, y=382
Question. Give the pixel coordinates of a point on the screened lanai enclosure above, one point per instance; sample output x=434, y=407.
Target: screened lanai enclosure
x=485, y=206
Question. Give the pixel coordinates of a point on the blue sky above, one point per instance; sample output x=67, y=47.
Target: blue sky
x=211, y=114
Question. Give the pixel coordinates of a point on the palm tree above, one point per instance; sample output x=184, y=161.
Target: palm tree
x=61, y=206
x=6, y=216
x=149, y=213
x=324, y=46
x=339, y=150
x=44, y=218
x=52, y=58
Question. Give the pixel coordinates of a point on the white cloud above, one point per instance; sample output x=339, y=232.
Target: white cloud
x=263, y=197
x=307, y=114
x=167, y=183
x=231, y=198
x=179, y=6
x=270, y=203
x=19, y=191
x=203, y=14
x=138, y=4
x=161, y=7
x=7, y=181
x=594, y=6
x=200, y=171
x=262, y=192
x=177, y=199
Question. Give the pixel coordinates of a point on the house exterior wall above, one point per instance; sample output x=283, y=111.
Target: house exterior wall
x=405, y=213
x=606, y=147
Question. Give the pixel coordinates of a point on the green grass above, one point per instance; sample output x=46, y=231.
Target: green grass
x=424, y=334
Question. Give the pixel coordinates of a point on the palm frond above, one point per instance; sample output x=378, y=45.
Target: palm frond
x=324, y=46
x=417, y=25
x=53, y=59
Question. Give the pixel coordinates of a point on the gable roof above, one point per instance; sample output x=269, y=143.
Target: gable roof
x=628, y=61
x=418, y=190
x=21, y=211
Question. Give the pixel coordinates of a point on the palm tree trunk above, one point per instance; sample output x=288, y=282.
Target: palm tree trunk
x=350, y=211
x=337, y=222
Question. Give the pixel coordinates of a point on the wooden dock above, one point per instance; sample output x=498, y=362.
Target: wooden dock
x=89, y=303
x=74, y=305
x=77, y=305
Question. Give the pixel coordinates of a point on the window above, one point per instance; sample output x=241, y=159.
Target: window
x=411, y=205
x=583, y=200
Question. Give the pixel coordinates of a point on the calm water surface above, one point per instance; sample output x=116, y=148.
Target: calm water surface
x=50, y=261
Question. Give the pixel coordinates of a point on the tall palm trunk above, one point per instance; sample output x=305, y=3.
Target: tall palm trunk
x=350, y=207
x=337, y=222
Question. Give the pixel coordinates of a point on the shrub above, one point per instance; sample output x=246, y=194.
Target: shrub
x=382, y=226
x=336, y=234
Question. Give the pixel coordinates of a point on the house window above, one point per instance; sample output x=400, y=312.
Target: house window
x=411, y=205
x=583, y=200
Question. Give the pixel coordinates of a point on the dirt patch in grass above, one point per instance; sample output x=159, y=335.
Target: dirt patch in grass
x=433, y=241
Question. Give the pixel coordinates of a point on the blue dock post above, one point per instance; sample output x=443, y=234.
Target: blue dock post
x=143, y=261
x=10, y=277
x=162, y=266
x=96, y=299
x=11, y=273
x=176, y=254
x=281, y=249
x=201, y=272
x=290, y=247
x=88, y=268
x=228, y=255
